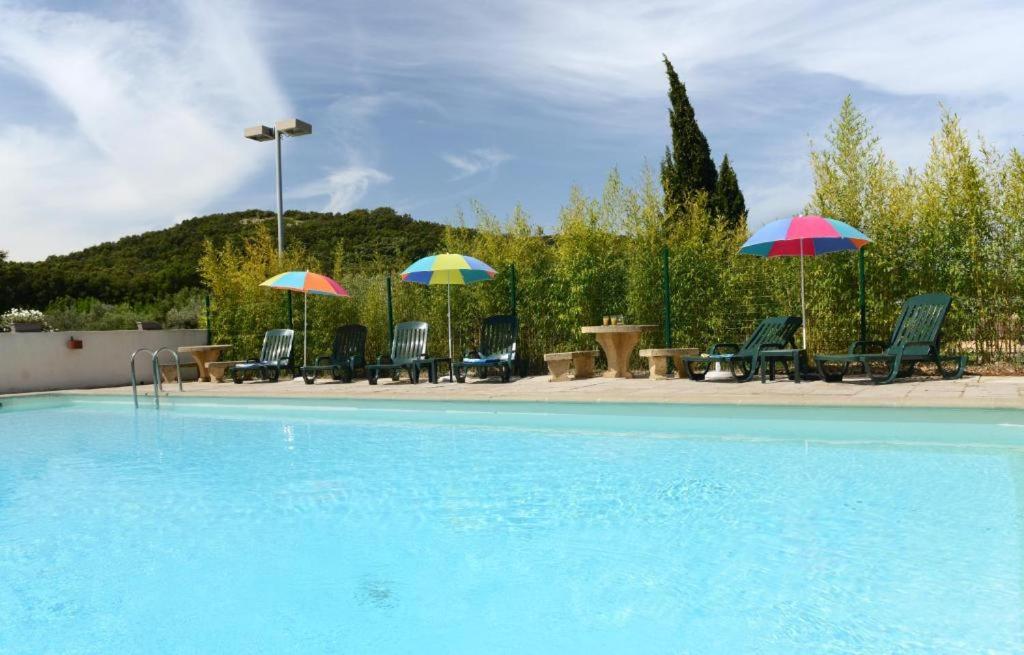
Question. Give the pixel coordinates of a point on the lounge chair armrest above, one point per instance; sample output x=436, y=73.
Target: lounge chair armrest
x=863, y=345
x=771, y=346
x=718, y=347
x=384, y=359
x=322, y=359
x=911, y=344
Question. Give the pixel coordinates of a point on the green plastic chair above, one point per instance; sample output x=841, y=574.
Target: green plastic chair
x=773, y=333
x=408, y=352
x=275, y=356
x=496, y=350
x=915, y=339
x=347, y=355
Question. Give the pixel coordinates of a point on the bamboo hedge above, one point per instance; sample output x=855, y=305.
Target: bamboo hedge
x=955, y=226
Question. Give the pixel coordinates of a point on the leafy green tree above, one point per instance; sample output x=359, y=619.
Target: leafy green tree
x=114, y=273
x=855, y=183
x=727, y=200
x=687, y=167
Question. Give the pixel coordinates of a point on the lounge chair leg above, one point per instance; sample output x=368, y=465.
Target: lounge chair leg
x=695, y=375
x=889, y=376
x=830, y=377
x=744, y=375
x=958, y=372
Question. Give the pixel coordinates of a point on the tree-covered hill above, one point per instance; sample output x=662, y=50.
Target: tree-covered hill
x=156, y=264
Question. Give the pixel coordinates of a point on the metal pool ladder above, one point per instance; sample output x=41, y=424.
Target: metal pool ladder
x=155, y=363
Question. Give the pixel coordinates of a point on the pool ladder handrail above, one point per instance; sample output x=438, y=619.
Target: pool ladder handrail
x=155, y=363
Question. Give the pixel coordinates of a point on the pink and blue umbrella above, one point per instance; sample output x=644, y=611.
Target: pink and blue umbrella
x=307, y=283
x=804, y=236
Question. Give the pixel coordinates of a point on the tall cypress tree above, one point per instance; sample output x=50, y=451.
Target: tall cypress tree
x=727, y=200
x=687, y=166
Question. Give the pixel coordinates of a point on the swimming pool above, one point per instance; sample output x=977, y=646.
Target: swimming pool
x=399, y=527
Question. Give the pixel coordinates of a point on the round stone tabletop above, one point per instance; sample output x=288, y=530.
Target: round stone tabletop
x=613, y=329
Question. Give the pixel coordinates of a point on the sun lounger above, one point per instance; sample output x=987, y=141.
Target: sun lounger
x=773, y=333
x=915, y=339
x=496, y=350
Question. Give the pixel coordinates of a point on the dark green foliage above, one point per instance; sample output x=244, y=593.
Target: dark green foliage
x=154, y=265
x=687, y=167
x=727, y=201
x=179, y=310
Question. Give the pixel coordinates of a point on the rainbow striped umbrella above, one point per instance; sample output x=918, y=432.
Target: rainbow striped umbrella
x=307, y=283
x=802, y=236
x=448, y=269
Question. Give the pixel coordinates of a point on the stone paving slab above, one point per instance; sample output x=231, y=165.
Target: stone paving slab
x=917, y=392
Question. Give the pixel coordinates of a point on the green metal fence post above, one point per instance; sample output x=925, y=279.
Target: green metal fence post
x=209, y=338
x=512, y=291
x=666, y=298
x=391, y=314
x=863, y=304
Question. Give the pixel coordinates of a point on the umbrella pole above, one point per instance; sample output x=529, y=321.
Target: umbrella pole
x=803, y=304
x=305, y=325
x=449, y=318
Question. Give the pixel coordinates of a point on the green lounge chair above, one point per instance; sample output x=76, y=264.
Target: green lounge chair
x=408, y=351
x=497, y=349
x=915, y=339
x=275, y=355
x=347, y=355
x=773, y=333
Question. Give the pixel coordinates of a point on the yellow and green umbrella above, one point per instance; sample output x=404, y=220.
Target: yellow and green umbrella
x=448, y=269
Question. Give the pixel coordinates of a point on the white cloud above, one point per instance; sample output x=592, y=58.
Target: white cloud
x=344, y=187
x=152, y=119
x=142, y=115
x=603, y=50
x=476, y=161
x=597, y=63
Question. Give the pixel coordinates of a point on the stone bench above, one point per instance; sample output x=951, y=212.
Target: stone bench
x=169, y=373
x=582, y=362
x=218, y=370
x=658, y=360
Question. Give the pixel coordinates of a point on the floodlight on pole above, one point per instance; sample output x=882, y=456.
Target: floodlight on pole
x=289, y=127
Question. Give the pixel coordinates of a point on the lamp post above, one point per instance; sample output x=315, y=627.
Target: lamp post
x=290, y=127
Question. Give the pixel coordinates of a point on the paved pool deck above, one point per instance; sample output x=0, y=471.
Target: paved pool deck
x=971, y=391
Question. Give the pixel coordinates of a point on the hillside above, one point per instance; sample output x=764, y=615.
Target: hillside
x=155, y=264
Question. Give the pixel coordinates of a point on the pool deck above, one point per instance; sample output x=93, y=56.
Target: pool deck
x=971, y=391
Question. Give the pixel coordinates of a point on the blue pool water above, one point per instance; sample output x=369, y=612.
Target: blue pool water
x=220, y=527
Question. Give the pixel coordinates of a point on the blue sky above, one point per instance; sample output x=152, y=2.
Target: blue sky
x=118, y=117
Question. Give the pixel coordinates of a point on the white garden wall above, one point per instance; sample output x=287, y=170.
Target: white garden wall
x=41, y=361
